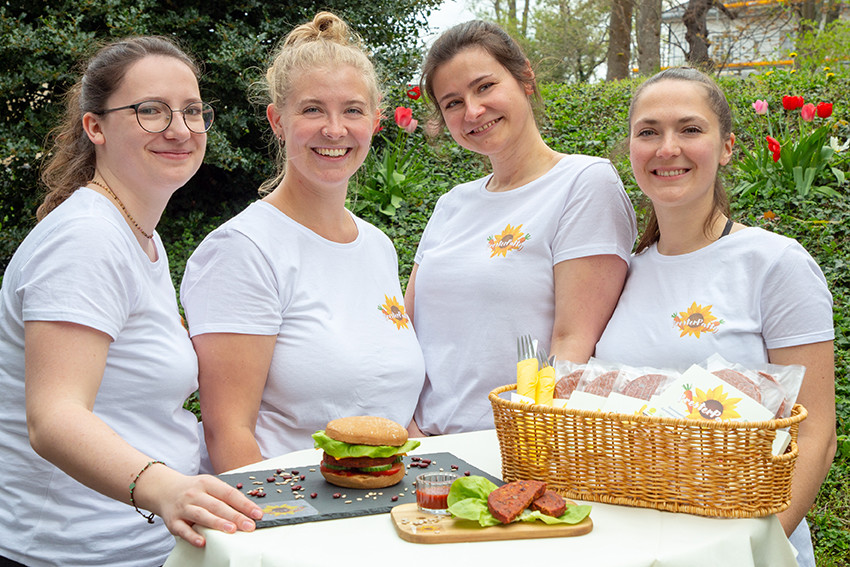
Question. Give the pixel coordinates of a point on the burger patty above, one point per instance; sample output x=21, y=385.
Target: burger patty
x=551, y=504
x=392, y=470
x=643, y=387
x=359, y=462
x=509, y=500
x=567, y=384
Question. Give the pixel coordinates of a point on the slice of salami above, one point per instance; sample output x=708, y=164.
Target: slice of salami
x=602, y=384
x=739, y=381
x=643, y=387
x=567, y=384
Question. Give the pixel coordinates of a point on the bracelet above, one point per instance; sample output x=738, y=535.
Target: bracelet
x=148, y=517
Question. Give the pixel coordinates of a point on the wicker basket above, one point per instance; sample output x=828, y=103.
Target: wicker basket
x=722, y=469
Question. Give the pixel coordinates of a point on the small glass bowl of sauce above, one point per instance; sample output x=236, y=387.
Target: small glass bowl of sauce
x=432, y=491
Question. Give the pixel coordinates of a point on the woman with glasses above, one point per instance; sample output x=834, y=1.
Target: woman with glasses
x=294, y=305
x=96, y=363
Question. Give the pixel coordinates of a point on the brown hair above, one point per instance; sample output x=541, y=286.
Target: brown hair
x=717, y=102
x=488, y=36
x=326, y=40
x=70, y=161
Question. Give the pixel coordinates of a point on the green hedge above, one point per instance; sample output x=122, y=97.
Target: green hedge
x=591, y=118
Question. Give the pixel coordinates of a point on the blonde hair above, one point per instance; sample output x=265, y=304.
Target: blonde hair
x=326, y=41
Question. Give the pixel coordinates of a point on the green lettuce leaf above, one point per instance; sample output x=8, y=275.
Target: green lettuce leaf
x=470, y=487
x=468, y=500
x=340, y=450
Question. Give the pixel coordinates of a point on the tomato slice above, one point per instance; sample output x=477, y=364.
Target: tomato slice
x=393, y=469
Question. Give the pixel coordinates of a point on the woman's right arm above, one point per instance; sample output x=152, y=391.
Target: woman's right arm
x=233, y=369
x=64, y=368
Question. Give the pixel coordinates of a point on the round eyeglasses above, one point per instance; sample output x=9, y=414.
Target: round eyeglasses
x=155, y=116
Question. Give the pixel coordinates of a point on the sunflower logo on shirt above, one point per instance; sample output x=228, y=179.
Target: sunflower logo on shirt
x=509, y=239
x=394, y=312
x=696, y=320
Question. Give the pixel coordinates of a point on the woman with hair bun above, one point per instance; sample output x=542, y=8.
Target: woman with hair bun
x=96, y=364
x=294, y=305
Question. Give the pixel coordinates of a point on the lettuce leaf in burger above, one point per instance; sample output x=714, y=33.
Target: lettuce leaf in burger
x=363, y=451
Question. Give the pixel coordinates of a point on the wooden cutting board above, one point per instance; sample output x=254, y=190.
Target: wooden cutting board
x=417, y=527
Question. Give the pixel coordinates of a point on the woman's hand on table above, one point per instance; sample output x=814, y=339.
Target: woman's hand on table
x=184, y=502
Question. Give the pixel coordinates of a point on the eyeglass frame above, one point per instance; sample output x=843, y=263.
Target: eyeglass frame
x=182, y=111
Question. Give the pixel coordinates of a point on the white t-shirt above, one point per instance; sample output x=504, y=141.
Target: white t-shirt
x=344, y=345
x=748, y=292
x=82, y=264
x=486, y=277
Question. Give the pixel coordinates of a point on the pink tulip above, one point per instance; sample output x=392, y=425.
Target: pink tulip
x=808, y=112
x=411, y=126
x=760, y=106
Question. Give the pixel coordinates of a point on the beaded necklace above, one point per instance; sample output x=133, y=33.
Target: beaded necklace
x=123, y=208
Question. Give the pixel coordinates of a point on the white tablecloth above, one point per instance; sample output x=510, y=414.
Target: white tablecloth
x=621, y=536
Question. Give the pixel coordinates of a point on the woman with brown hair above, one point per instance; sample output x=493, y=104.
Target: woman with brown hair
x=766, y=296
x=540, y=246
x=96, y=363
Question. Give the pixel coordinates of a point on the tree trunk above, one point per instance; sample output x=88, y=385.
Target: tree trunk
x=696, y=34
x=649, y=36
x=524, y=26
x=512, y=19
x=619, y=40
x=833, y=11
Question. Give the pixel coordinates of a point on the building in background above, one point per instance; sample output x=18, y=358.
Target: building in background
x=745, y=36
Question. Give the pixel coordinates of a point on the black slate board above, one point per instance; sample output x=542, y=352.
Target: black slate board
x=281, y=506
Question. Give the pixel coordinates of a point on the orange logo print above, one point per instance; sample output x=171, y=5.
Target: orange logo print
x=697, y=319
x=510, y=239
x=394, y=312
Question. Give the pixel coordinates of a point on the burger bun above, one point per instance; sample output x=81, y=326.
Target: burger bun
x=367, y=430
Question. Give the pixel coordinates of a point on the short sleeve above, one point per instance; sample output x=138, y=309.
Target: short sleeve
x=229, y=286
x=80, y=273
x=598, y=217
x=796, y=302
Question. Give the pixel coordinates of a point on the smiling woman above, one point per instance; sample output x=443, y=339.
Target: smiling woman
x=539, y=246
x=294, y=305
x=96, y=369
x=759, y=297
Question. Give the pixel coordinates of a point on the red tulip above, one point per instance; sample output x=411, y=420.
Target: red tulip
x=404, y=119
x=773, y=146
x=792, y=102
x=414, y=93
x=824, y=109
x=403, y=116
x=808, y=112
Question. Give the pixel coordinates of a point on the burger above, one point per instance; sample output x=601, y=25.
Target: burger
x=363, y=451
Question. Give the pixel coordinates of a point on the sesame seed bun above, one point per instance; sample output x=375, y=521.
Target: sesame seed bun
x=367, y=430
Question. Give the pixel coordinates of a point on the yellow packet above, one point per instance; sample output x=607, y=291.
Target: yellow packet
x=526, y=377
x=545, y=386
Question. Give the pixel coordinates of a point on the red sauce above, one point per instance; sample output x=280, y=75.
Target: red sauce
x=433, y=498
